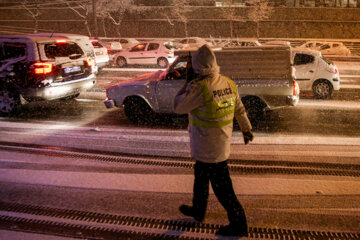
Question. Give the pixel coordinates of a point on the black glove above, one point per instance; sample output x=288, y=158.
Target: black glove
x=248, y=136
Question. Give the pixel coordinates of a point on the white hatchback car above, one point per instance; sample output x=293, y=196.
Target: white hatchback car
x=147, y=53
x=314, y=73
x=327, y=48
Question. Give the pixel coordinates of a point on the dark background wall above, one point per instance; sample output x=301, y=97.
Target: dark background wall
x=203, y=21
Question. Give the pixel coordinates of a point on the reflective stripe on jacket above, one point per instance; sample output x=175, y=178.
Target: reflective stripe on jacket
x=216, y=112
x=201, y=97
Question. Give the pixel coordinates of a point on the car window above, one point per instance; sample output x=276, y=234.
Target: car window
x=183, y=41
x=336, y=45
x=318, y=44
x=115, y=45
x=326, y=60
x=12, y=50
x=171, y=46
x=123, y=41
x=192, y=41
x=324, y=47
x=309, y=45
x=180, y=64
x=301, y=59
x=153, y=46
x=138, y=48
x=53, y=50
x=178, y=70
x=97, y=45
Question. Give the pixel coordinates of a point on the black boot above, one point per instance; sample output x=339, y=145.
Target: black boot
x=191, y=212
x=233, y=230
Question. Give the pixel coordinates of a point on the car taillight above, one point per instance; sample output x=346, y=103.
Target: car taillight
x=61, y=41
x=89, y=62
x=42, y=68
x=169, y=52
x=333, y=69
x=296, y=89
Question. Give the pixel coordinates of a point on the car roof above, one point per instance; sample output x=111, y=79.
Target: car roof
x=322, y=42
x=129, y=39
x=60, y=35
x=31, y=38
x=306, y=50
x=156, y=41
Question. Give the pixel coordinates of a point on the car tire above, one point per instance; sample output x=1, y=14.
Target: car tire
x=138, y=111
x=322, y=89
x=162, y=62
x=9, y=100
x=255, y=109
x=121, y=62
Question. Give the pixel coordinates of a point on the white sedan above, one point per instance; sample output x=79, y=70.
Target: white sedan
x=147, y=53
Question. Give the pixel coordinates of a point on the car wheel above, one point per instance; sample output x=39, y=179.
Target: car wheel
x=121, y=62
x=138, y=111
x=9, y=100
x=162, y=62
x=322, y=89
x=255, y=109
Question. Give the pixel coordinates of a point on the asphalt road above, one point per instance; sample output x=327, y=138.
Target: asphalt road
x=337, y=116
x=324, y=132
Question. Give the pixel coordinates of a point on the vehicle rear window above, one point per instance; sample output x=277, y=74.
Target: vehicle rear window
x=324, y=47
x=53, y=50
x=301, y=59
x=12, y=50
x=97, y=45
x=326, y=60
x=171, y=46
x=153, y=46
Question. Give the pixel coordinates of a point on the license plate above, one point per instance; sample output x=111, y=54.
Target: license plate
x=72, y=69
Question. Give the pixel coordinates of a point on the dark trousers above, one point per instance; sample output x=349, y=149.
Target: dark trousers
x=219, y=177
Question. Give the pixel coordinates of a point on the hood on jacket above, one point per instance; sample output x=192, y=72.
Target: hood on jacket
x=204, y=62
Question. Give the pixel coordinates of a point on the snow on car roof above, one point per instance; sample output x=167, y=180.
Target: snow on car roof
x=30, y=37
x=306, y=50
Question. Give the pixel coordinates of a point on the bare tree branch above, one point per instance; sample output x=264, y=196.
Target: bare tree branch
x=34, y=15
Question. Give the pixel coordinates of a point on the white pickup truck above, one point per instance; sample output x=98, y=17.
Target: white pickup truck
x=264, y=76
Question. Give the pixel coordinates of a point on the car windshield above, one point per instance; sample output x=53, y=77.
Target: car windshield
x=326, y=60
x=97, y=45
x=171, y=46
x=53, y=50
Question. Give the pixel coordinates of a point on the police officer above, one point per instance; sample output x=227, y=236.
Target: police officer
x=211, y=101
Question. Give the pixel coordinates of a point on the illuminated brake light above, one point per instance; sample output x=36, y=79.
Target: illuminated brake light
x=61, y=41
x=89, y=62
x=42, y=68
x=335, y=70
x=295, y=88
